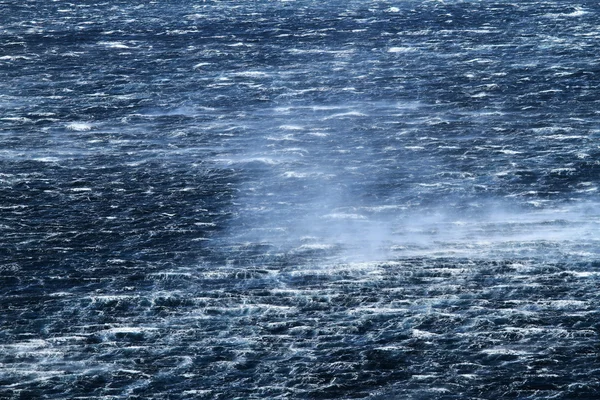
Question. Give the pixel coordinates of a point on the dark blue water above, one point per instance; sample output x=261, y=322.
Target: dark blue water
x=299, y=199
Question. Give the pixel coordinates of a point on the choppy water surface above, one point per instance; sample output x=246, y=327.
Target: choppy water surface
x=298, y=199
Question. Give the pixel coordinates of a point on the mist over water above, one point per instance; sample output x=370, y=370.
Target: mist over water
x=334, y=181
x=299, y=200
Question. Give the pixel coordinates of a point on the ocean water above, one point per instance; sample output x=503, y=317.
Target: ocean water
x=299, y=199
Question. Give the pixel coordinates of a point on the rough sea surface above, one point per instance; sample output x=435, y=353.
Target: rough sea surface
x=299, y=199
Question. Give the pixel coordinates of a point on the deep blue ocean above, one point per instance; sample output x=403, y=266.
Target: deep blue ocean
x=391, y=199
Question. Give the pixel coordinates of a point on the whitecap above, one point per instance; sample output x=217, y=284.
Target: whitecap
x=401, y=49
x=509, y=152
x=251, y=74
x=316, y=246
x=194, y=16
x=207, y=224
x=240, y=44
x=288, y=137
x=13, y=58
x=114, y=45
x=15, y=119
x=200, y=65
x=566, y=304
x=196, y=392
x=424, y=377
x=325, y=108
x=262, y=160
x=108, y=298
x=347, y=216
x=291, y=127
x=503, y=351
x=563, y=171
x=47, y=159
x=423, y=334
x=552, y=129
x=28, y=345
x=63, y=339
x=79, y=126
x=346, y=114
x=130, y=329
x=480, y=61
x=565, y=137
x=578, y=12
x=584, y=274
x=292, y=174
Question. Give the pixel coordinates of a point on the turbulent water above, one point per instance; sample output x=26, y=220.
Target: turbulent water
x=299, y=199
